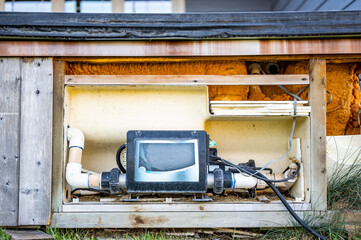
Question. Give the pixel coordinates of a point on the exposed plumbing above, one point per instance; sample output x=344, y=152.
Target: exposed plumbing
x=74, y=175
x=114, y=180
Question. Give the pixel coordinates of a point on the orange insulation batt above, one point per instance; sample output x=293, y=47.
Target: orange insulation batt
x=341, y=81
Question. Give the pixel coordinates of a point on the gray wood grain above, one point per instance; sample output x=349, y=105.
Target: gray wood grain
x=174, y=219
x=35, y=141
x=58, y=136
x=28, y=235
x=317, y=100
x=10, y=83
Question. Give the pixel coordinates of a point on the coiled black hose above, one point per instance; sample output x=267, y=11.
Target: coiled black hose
x=117, y=156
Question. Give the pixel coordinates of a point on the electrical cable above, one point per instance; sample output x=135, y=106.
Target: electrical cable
x=117, y=157
x=290, y=210
x=274, y=160
x=289, y=93
x=259, y=175
x=249, y=170
x=289, y=149
x=330, y=100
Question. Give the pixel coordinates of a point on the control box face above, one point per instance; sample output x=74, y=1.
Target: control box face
x=167, y=161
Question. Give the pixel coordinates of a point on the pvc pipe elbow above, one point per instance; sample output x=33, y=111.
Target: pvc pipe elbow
x=75, y=137
x=74, y=177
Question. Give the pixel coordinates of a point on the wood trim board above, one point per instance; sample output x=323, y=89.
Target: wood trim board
x=281, y=79
x=345, y=46
x=317, y=100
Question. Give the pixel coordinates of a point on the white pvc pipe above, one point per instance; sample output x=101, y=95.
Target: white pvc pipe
x=74, y=176
x=75, y=138
x=242, y=181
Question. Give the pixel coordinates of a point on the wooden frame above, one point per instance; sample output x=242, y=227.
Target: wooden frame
x=169, y=215
x=317, y=99
x=219, y=48
x=286, y=79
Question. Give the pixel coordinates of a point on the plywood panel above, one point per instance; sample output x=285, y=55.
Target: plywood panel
x=36, y=141
x=10, y=82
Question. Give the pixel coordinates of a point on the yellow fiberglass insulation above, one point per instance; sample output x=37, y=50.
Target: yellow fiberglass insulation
x=341, y=80
x=221, y=67
x=353, y=125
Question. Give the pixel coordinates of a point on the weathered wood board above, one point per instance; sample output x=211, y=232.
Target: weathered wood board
x=28, y=235
x=35, y=141
x=10, y=82
x=317, y=99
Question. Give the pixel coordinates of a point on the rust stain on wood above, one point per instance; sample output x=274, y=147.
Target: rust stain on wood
x=181, y=48
x=140, y=221
x=99, y=224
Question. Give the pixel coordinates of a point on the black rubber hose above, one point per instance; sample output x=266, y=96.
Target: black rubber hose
x=117, y=156
x=290, y=210
x=279, y=195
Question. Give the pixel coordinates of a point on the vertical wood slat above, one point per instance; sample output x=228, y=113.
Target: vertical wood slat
x=58, y=135
x=317, y=100
x=117, y=6
x=10, y=83
x=35, y=141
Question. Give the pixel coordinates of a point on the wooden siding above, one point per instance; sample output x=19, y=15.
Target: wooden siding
x=10, y=83
x=35, y=141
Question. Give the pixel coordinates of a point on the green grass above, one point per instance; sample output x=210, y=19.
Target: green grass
x=343, y=194
x=333, y=228
x=344, y=186
x=3, y=235
x=69, y=234
x=83, y=234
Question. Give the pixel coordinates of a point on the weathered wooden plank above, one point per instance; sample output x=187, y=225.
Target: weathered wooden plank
x=317, y=99
x=10, y=82
x=173, y=219
x=35, y=141
x=28, y=235
x=281, y=79
x=183, y=48
x=58, y=136
x=184, y=207
x=67, y=26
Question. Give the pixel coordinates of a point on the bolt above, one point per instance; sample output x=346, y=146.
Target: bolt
x=303, y=79
x=37, y=91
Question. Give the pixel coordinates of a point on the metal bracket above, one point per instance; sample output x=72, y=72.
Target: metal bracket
x=131, y=199
x=204, y=198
